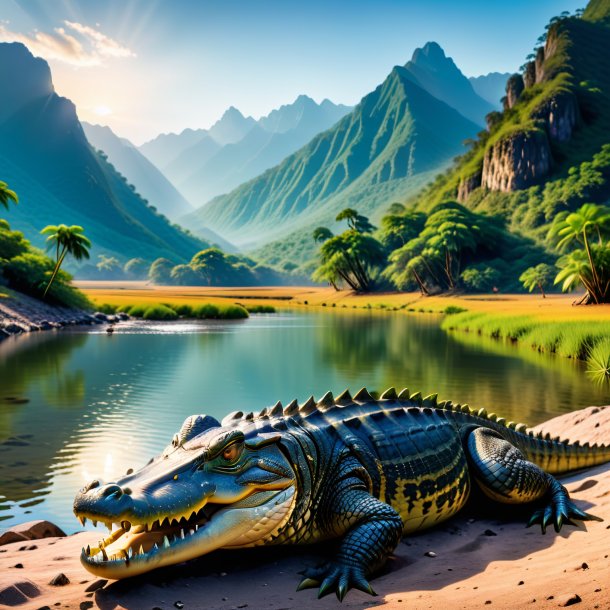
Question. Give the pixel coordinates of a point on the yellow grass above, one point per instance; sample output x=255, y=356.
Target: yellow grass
x=553, y=308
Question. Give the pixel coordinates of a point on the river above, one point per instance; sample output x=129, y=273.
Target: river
x=81, y=404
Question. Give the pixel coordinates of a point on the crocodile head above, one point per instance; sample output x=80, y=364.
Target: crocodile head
x=212, y=487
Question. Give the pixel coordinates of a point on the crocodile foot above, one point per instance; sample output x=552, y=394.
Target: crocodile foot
x=337, y=577
x=559, y=511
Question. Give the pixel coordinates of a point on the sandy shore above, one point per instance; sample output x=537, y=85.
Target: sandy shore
x=485, y=558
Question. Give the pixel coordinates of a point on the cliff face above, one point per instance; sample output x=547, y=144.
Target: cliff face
x=517, y=162
x=524, y=157
x=560, y=114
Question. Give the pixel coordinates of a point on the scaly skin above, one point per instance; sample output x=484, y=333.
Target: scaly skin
x=360, y=470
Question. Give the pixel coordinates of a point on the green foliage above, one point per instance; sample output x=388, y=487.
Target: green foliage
x=28, y=270
x=107, y=308
x=598, y=361
x=159, y=312
x=567, y=338
x=136, y=269
x=160, y=271
x=539, y=277
x=453, y=309
x=351, y=257
x=260, y=309
x=6, y=195
x=206, y=310
x=136, y=311
x=480, y=278
x=588, y=264
x=459, y=249
x=65, y=240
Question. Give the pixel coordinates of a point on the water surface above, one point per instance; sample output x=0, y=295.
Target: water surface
x=98, y=404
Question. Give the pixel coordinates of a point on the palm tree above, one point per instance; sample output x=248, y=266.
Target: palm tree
x=66, y=240
x=575, y=227
x=7, y=195
x=537, y=277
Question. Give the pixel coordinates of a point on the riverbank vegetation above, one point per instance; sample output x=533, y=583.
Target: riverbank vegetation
x=173, y=311
x=578, y=339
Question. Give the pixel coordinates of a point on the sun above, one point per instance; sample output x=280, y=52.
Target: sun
x=102, y=110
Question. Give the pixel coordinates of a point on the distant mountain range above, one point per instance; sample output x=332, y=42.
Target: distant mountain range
x=138, y=170
x=60, y=178
x=206, y=163
x=395, y=139
x=491, y=87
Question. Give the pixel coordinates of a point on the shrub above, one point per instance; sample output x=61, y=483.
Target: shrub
x=107, y=308
x=260, y=309
x=136, y=311
x=184, y=310
x=160, y=312
x=206, y=311
x=598, y=362
x=233, y=312
x=453, y=309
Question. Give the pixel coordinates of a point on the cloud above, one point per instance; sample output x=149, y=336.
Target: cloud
x=75, y=44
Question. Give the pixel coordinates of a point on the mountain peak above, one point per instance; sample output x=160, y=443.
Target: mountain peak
x=432, y=70
x=431, y=52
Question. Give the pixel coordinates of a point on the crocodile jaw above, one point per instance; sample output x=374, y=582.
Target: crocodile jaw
x=232, y=527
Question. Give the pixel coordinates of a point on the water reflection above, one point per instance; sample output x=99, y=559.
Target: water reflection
x=82, y=404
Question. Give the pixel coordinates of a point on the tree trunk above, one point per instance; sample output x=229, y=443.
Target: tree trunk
x=541, y=290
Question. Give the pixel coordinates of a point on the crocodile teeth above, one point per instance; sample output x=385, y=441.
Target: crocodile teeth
x=141, y=550
x=94, y=522
x=82, y=520
x=182, y=534
x=130, y=552
x=191, y=532
x=165, y=542
x=88, y=550
x=155, y=547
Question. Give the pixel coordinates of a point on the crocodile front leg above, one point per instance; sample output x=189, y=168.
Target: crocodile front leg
x=370, y=531
x=504, y=475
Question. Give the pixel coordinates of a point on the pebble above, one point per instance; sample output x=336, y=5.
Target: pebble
x=585, y=565
x=18, y=565
x=520, y=583
x=430, y=554
x=60, y=580
x=489, y=533
x=568, y=600
x=178, y=605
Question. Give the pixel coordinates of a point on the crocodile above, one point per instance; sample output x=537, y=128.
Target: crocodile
x=362, y=470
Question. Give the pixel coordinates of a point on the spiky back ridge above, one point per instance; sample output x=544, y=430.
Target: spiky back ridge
x=551, y=453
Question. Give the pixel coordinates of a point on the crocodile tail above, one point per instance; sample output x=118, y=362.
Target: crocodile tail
x=557, y=456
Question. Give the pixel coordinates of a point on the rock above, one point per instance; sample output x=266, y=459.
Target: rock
x=94, y=586
x=122, y=315
x=61, y=580
x=14, y=328
x=568, y=600
x=430, y=554
x=98, y=315
x=529, y=74
x=18, y=593
x=32, y=530
x=560, y=114
x=514, y=89
x=467, y=185
x=179, y=605
x=19, y=566
x=489, y=533
x=517, y=161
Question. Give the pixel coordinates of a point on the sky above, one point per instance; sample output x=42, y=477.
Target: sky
x=146, y=67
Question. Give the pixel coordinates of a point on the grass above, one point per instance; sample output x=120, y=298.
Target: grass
x=581, y=340
x=169, y=311
x=598, y=362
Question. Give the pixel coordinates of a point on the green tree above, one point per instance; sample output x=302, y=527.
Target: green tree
x=136, y=268
x=65, y=240
x=322, y=234
x=537, y=277
x=6, y=195
x=355, y=221
x=185, y=275
x=160, y=271
x=399, y=228
x=575, y=230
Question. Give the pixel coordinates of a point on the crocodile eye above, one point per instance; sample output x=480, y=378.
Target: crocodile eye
x=232, y=452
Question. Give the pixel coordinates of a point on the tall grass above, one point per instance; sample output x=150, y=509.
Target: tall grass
x=581, y=340
x=203, y=311
x=599, y=361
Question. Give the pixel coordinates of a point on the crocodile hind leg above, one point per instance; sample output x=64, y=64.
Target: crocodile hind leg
x=504, y=474
x=370, y=530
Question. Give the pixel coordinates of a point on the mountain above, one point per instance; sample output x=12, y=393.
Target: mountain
x=201, y=175
x=166, y=151
x=548, y=151
x=490, y=87
x=433, y=71
x=381, y=150
x=163, y=149
x=138, y=170
x=60, y=178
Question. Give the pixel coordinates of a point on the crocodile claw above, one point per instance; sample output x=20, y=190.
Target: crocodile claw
x=559, y=512
x=335, y=577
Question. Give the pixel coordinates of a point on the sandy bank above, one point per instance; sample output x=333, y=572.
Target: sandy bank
x=485, y=558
